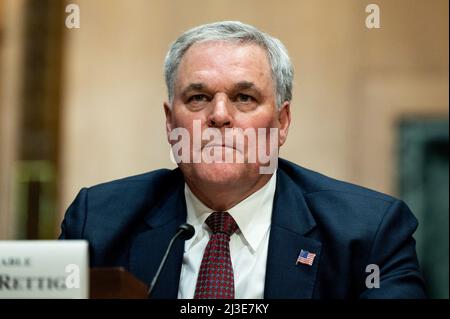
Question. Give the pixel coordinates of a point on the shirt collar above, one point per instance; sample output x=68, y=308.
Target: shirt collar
x=252, y=215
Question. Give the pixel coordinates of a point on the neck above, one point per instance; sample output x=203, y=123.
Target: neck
x=223, y=198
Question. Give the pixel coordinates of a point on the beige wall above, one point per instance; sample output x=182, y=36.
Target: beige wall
x=351, y=84
x=10, y=71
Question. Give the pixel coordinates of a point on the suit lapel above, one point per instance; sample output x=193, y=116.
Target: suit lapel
x=150, y=244
x=291, y=221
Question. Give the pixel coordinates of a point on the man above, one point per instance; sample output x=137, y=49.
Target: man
x=260, y=231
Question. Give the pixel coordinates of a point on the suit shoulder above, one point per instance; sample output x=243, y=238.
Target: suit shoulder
x=349, y=212
x=315, y=184
x=135, y=191
x=156, y=177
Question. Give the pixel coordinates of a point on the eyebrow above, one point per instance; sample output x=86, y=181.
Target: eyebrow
x=244, y=85
x=198, y=86
x=193, y=87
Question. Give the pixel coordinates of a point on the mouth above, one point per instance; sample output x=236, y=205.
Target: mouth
x=220, y=145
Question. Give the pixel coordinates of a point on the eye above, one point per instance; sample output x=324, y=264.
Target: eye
x=198, y=98
x=244, y=98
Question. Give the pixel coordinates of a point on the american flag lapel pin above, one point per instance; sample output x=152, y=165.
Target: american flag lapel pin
x=305, y=258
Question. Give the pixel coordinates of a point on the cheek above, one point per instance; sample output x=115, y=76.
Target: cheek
x=184, y=118
x=258, y=121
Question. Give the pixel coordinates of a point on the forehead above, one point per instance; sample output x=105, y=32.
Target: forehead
x=220, y=64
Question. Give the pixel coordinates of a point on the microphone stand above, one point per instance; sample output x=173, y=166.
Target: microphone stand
x=185, y=229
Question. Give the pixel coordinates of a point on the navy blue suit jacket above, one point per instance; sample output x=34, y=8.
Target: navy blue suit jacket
x=129, y=223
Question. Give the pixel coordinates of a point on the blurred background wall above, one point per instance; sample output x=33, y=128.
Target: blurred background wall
x=83, y=106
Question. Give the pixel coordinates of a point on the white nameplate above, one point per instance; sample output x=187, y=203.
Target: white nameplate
x=44, y=269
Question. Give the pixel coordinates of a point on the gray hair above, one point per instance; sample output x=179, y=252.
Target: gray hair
x=233, y=31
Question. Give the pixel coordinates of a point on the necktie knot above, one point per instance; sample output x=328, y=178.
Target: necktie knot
x=221, y=222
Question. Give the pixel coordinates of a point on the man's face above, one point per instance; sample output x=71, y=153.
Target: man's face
x=223, y=85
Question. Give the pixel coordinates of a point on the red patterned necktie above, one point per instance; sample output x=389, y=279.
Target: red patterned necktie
x=215, y=278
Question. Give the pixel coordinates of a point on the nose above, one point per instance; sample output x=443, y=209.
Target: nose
x=219, y=115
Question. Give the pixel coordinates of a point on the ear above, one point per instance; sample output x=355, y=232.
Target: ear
x=168, y=112
x=284, y=118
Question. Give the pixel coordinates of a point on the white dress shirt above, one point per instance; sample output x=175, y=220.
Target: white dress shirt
x=248, y=246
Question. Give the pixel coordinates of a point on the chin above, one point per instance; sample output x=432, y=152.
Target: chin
x=218, y=174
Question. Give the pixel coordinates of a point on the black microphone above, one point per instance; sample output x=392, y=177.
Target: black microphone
x=185, y=231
